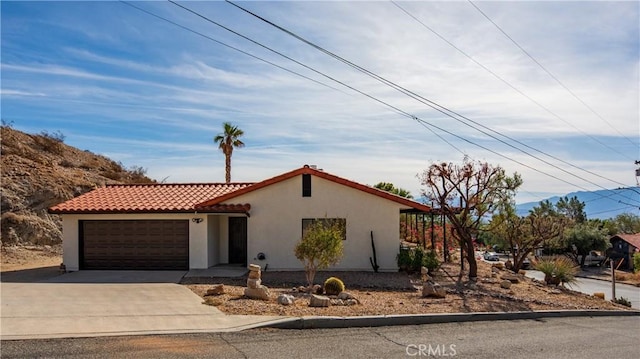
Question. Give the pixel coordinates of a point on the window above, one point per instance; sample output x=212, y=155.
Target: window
x=306, y=185
x=342, y=222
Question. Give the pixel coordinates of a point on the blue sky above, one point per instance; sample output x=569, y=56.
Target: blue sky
x=145, y=92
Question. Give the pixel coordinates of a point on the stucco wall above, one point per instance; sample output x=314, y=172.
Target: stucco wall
x=277, y=211
x=198, y=240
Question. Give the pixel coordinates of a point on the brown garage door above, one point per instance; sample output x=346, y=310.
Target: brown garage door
x=126, y=244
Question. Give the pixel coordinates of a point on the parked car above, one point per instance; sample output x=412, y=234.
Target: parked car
x=526, y=263
x=593, y=259
x=491, y=256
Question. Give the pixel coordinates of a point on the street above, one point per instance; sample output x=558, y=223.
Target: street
x=590, y=286
x=549, y=338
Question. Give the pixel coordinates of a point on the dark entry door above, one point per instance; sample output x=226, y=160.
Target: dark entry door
x=238, y=240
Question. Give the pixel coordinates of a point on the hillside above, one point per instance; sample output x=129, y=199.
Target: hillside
x=601, y=204
x=39, y=171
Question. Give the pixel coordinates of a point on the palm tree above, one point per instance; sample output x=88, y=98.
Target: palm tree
x=227, y=141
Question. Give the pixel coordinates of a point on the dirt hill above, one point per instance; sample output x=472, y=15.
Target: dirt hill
x=39, y=171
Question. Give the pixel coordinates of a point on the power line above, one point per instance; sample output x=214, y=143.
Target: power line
x=227, y=45
x=439, y=108
x=431, y=104
x=549, y=72
x=505, y=81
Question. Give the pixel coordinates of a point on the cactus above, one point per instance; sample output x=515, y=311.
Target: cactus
x=333, y=286
x=374, y=260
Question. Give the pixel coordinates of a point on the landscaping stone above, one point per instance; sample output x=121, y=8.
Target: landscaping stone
x=255, y=274
x=261, y=292
x=433, y=290
x=498, y=265
x=317, y=289
x=254, y=283
x=599, y=295
x=217, y=289
x=506, y=284
x=254, y=268
x=508, y=264
x=319, y=301
x=510, y=277
x=285, y=299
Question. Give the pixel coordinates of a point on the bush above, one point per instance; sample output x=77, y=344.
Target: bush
x=333, y=286
x=622, y=300
x=558, y=271
x=404, y=259
x=636, y=262
x=418, y=256
x=431, y=261
x=320, y=247
x=51, y=142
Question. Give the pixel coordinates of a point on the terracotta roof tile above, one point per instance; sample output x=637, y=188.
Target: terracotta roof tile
x=633, y=239
x=177, y=197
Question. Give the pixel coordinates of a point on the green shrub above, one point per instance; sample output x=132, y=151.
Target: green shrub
x=558, y=271
x=417, y=258
x=333, y=286
x=430, y=261
x=320, y=247
x=405, y=259
x=622, y=300
x=636, y=262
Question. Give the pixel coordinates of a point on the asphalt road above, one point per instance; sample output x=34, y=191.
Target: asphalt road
x=590, y=286
x=614, y=337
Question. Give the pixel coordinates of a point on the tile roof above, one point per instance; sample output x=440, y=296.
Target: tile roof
x=139, y=198
x=191, y=197
x=633, y=239
x=318, y=173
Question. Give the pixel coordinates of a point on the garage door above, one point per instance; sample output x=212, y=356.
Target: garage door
x=150, y=245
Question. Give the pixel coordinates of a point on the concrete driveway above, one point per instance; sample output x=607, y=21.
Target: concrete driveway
x=103, y=303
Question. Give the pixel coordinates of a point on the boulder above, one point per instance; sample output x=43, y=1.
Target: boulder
x=317, y=289
x=261, y=292
x=254, y=275
x=498, y=265
x=217, y=289
x=254, y=283
x=506, y=284
x=599, y=295
x=319, y=301
x=285, y=299
x=433, y=290
x=510, y=277
x=254, y=268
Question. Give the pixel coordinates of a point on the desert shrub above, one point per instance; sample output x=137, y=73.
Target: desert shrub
x=333, y=286
x=430, y=261
x=320, y=247
x=67, y=163
x=558, y=270
x=636, y=262
x=418, y=256
x=51, y=142
x=622, y=300
x=404, y=259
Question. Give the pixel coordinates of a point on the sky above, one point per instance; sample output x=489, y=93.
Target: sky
x=554, y=87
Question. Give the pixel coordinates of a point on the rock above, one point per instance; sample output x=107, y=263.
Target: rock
x=433, y=290
x=424, y=270
x=510, y=277
x=506, y=284
x=352, y=302
x=254, y=275
x=494, y=275
x=317, y=289
x=599, y=295
x=338, y=302
x=522, y=272
x=217, y=289
x=509, y=264
x=254, y=268
x=555, y=291
x=302, y=289
x=261, y=292
x=498, y=265
x=319, y=301
x=285, y=299
x=254, y=283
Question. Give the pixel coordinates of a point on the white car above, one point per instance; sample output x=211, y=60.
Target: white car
x=491, y=256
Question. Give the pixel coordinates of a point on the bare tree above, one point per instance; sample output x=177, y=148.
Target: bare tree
x=478, y=188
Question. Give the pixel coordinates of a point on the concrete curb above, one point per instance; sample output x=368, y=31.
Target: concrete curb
x=315, y=322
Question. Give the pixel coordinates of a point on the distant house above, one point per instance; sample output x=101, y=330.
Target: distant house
x=628, y=245
x=196, y=226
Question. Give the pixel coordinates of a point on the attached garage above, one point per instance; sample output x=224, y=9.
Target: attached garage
x=134, y=244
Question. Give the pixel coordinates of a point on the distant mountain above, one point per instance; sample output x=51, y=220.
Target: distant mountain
x=601, y=204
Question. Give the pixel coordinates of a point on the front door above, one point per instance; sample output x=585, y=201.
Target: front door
x=238, y=240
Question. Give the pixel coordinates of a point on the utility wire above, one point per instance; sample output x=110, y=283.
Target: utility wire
x=431, y=104
x=506, y=82
x=549, y=73
x=227, y=45
x=396, y=109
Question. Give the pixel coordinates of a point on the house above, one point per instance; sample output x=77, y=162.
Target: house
x=626, y=245
x=197, y=226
